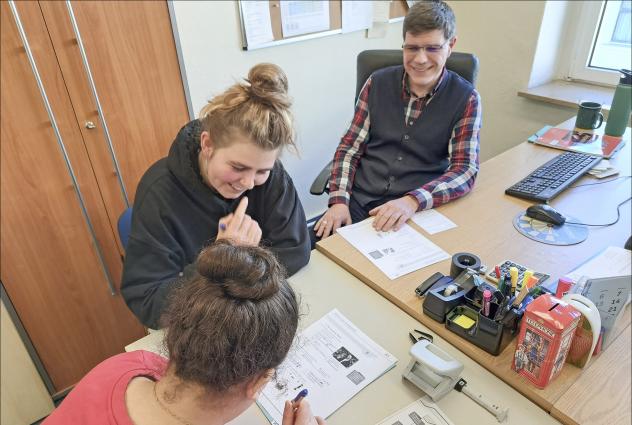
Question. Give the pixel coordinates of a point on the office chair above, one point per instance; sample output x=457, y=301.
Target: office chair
x=124, y=225
x=369, y=61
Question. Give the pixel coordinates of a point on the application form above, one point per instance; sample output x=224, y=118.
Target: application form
x=333, y=360
x=421, y=412
x=304, y=17
x=394, y=253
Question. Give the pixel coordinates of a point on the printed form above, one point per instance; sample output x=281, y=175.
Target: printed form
x=304, y=17
x=333, y=360
x=394, y=253
x=421, y=412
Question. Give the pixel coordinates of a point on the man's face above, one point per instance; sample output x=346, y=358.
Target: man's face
x=424, y=66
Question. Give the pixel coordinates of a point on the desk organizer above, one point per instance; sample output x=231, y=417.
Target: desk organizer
x=462, y=313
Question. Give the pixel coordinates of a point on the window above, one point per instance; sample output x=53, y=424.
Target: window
x=602, y=45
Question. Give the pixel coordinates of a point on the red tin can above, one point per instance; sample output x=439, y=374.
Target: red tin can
x=546, y=333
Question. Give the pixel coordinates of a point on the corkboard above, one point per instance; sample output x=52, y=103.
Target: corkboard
x=398, y=9
x=335, y=19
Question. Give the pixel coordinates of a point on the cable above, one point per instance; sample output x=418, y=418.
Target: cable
x=592, y=184
x=606, y=224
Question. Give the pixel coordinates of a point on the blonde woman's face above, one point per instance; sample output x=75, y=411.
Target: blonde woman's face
x=236, y=168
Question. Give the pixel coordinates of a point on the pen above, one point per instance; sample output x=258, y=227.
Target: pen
x=300, y=396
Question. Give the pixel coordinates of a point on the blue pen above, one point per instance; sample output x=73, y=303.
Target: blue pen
x=302, y=394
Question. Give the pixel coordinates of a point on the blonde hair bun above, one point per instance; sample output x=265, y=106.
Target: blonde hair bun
x=259, y=108
x=268, y=84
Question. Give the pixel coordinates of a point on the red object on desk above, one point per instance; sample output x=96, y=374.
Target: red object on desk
x=546, y=333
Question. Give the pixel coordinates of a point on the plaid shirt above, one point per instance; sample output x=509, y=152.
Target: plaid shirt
x=455, y=182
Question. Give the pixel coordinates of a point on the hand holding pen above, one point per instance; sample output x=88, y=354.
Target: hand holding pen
x=298, y=412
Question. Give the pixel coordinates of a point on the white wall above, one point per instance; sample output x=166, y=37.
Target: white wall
x=321, y=73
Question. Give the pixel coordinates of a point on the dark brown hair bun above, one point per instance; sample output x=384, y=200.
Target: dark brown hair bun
x=250, y=281
x=233, y=321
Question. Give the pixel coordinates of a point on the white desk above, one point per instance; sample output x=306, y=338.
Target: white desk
x=323, y=285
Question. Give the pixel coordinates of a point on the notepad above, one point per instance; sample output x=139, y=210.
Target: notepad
x=464, y=321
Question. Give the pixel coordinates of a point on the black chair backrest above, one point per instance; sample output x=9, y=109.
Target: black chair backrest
x=464, y=64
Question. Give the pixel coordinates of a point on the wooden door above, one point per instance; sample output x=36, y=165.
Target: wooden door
x=132, y=56
x=49, y=262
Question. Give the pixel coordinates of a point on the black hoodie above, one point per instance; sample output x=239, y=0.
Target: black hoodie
x=175, y=215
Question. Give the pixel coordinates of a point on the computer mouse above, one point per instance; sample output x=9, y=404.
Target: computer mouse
x=546, y=213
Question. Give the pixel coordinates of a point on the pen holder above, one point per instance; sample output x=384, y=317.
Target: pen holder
x=491, y=333
x=437, y=304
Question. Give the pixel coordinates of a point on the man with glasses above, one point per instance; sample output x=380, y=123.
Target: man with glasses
x=413, y=143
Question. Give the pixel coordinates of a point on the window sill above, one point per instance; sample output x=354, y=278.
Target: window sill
x=570, y=93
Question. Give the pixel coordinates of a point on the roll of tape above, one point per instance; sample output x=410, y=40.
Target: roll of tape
x=462, y=261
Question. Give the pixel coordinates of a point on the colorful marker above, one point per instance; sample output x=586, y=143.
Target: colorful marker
x=525, y=278
x=513, y=272
x=487, y=298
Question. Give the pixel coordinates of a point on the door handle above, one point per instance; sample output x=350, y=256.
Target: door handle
x=60, y=142
x=95, y=95
x=90, y=125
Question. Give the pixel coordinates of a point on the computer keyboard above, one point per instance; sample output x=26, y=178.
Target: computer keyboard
x=548, y=180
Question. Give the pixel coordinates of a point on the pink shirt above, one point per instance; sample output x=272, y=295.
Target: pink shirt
x=99, y=398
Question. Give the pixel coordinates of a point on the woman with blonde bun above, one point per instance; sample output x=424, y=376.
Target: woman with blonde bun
x=221, y=180
x=226, y=331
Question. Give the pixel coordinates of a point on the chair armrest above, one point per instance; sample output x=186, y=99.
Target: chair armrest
x=319, y=186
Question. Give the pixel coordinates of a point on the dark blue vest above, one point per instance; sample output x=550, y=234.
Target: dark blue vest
x=400, y=158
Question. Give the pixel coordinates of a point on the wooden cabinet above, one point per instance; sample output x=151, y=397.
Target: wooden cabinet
x=61, y=196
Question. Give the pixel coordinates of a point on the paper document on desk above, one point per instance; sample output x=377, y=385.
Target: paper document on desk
x=333, y=360
x=422, y=411
x=394, y=253
x=613, y=261
x=432, y=221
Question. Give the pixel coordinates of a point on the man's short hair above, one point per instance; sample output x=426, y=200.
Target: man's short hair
x=429, y=15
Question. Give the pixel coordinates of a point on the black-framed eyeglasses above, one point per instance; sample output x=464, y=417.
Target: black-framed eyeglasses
x=432, y=48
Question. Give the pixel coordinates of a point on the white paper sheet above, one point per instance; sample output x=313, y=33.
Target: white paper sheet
x=422, y=411
x=613, y=261
x=394, y=253
x=433, y=221
x=257, y=23
x=381, y=10
x=333, y=360
x=356, y=15
x=303, y=17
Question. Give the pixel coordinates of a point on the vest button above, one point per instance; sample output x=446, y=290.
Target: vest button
x=391, y=179
x=410, y=122
x=406, y=137
x=399, y=158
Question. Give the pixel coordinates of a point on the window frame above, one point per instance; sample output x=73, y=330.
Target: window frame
x=589, y=16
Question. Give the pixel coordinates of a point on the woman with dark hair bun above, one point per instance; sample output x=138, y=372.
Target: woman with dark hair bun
x=226, y=331
x=221, y=180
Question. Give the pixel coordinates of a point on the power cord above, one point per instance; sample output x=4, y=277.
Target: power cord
x=592, y=184
x=606, y=224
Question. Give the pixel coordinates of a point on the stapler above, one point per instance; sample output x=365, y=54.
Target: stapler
x=432, y=369
x=434, y=372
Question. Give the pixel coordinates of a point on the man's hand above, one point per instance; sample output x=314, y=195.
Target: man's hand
x=337, y=215
x=393, y=214
x=239, y=227
x=301, y=415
